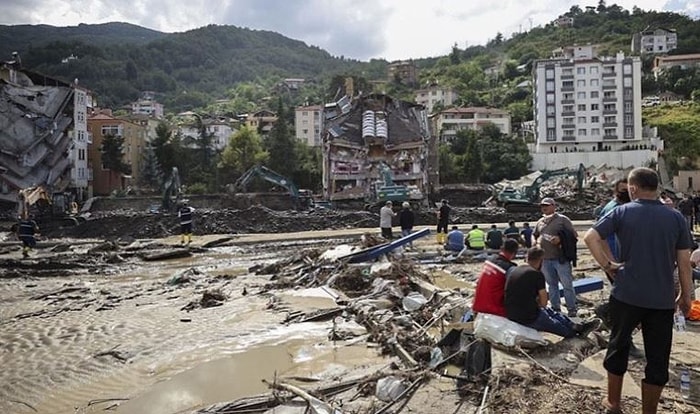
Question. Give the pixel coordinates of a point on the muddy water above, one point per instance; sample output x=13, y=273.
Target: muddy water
x=124, y=336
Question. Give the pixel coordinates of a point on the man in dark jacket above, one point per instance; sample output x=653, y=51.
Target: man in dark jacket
x=406, y=219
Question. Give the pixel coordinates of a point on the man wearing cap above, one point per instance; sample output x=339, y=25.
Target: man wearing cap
x=556, y=266
x=386, y=214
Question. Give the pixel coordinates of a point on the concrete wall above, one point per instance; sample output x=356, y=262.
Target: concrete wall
x=617, y=159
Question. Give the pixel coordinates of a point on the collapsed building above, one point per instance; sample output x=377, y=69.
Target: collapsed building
x=365, y=135
x=42, y=133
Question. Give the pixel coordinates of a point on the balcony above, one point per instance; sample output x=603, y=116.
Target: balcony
x=568, y=113
x=609, y=74
x=608, y=87
x=609, y=137
x=609, y=98
x=609, y=124
x=567, y=88
x=609, y=111
x=568, y=126
x=567, y=101
x=567, y=76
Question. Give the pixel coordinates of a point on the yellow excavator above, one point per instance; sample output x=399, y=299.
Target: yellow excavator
x=48, y=209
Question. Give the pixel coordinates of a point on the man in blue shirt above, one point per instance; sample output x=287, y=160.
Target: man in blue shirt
x=653, y=239
x=455, y=240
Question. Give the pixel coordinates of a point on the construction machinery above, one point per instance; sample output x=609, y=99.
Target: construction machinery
x=301, y=198
x=47, y=208
x=172, y=192
x=388, y=190
x=524, y=199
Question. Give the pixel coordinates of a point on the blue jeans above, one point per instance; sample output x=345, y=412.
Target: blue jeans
x=553, y=322
x=555, y=273
x=406, y=232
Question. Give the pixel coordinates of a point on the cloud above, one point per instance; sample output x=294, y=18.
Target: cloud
x=361, y=29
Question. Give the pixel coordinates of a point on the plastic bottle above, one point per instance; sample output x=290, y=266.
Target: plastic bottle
x=685, y=383
x=679, y=321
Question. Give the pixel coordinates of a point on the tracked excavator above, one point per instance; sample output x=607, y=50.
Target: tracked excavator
x=302, y=199
x=172, y=192
x=524, y=199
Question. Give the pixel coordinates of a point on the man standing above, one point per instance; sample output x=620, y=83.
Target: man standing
x=686, y=207
x=185, y=215
x=26, y=232
x=494, y=238
x=526, y=299
x=406, y=219
x=549, y=233
x=386, y=214
x=526, y=235
x=488, y=296
x=653, y=240
x=621, y=197
x=443, y=216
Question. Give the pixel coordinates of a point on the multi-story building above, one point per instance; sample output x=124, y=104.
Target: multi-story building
x=375, y=136
x=219, y=128
x=308, y=123
x=102, y=124
x=654, y=41
x=404, y=70
x=584, y=103
x=261, y=121
x=80, y=174
x=564, y=21
x=38, y=132
x=147, y=105
x=662, y=63
x=434, y=95
x=449, y=121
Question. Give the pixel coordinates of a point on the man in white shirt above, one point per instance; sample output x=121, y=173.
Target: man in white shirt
x=386, y=214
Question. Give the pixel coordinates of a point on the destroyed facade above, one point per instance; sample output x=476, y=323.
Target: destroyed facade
x=368, y=133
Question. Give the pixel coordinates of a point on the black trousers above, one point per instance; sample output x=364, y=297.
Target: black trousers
x=657, y=331
x=442, y=226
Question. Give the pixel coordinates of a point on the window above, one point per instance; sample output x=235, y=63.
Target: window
x=581, y=132
x=581, y=95
x=568, y=132
x=608, y=82
x=595, y=82
x=550, y=98
x=550, y=122
x=581, y=120
x=81, y=154
x=549, y=86
x=567, y=84
x=595, y=107
x=568, y=97
x=593, y=70
x=550, y=109
x=595, y=132
x=628, y=119
x=627, y=82
x=609, y=120
x=549, y=73
x=304, y=113
x=115, y=130
x=582, y=107
x=609, y=94
x=610, y=132
x=595, y=119
x=609, y=107
x=628, y=106
x=595, y=94
x=304, y=131
x=581, y=83
x=567, y=71
x=627, y=69
x=580, y=71
x=568, y=108
x=628, y=93
x=628, y=132
x=568, y=121
x=551, y=134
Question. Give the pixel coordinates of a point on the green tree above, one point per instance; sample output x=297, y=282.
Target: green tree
x=280, y=144
x=244, y=150
x=471, y=162
x=112, y=150
x=449, y=172
x=151, y=174
x=454, y=55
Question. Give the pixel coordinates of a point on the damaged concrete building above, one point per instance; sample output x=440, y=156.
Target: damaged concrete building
x=43, y=135
x=364, y=135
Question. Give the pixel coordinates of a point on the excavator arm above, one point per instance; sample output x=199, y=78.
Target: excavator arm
x=267, y=175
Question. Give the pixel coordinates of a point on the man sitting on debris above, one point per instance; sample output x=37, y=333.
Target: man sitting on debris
x=494, y=238
x=526, y=235
x=512, y=231
x=526, y=301
x=455, y=240
x=488, y=296
x=476, y=238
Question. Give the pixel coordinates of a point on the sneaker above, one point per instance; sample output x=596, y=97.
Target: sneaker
x=586, y=328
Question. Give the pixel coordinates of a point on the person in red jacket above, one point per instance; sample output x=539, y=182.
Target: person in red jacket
x=490, y=288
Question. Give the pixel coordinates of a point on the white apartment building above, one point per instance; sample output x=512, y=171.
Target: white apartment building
x=654, y=41
x=433, y=95
x=80, y=173
x=147, y=105
x=308, y=123
x=450, y=121
x=584, y=103
x=220, y=129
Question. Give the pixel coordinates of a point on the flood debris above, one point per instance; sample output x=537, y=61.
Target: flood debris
x=210, y=299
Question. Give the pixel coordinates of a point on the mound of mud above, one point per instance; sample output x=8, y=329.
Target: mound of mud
x=259, y=219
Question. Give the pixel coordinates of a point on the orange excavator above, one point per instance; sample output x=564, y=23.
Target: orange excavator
x=46, y=208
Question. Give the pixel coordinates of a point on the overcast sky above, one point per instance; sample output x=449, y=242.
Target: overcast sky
x=360, y=29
